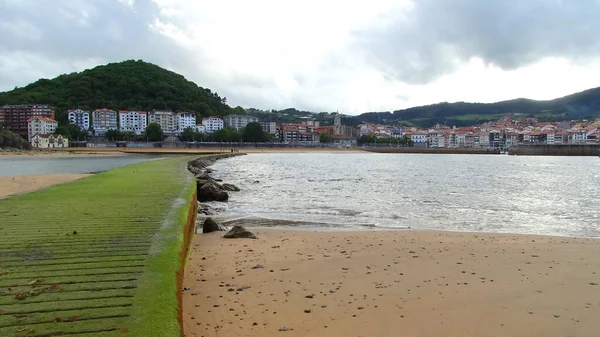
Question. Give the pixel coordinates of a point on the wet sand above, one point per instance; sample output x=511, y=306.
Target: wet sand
x=391, y=283
x=10, y=185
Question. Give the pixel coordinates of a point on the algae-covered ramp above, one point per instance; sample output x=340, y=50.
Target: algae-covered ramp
x=97, y=257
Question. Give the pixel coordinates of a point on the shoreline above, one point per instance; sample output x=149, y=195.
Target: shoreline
x=20, y=184
x=379, y=282
x=396, y=229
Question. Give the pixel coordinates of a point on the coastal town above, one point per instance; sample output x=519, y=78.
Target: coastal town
x=37, y=123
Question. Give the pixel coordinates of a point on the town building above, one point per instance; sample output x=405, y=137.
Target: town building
x=212, y=124
x=40, y=125
x=185, y=120
x=45, y=141
x=419, y=138
x=15, y=117
x=104, y=120
x=200, y=128
x=269, y=127
x=166, y=119
x=239, y=121
x=133, y=121
x=292, y=133
x=79, y=117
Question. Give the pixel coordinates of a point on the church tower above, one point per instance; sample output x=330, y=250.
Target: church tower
x=337, y=124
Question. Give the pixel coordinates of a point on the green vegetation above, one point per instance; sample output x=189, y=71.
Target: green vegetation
x=128, y=85
x=97, y=256
x=254, y=133
x=154, y=133
x=8, y=139
x=325, y=137
x=138, y=85
x=585, y=104
x=72, y=131
x=227, y=134
x=366, y=140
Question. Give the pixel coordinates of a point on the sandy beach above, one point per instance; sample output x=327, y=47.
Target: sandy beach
x=391, y=283
x=10, y=185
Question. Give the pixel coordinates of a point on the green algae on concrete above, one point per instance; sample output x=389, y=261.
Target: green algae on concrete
x=96, y=257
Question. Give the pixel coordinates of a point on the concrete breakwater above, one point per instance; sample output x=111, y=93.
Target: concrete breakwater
x=555, y=150
x=434, y=150
x=98, y=256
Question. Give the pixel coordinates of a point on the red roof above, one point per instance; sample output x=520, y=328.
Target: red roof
x=128, y=111
x=43, y=119
x=47, y=135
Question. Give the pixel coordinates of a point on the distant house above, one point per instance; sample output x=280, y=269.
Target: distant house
x=46, y=141
x=185, y=120
x=269, y=127
x=80, y=118
x=298, y=133
x=40, y=125
x=166, y=119
x=104, y=120
x=239, y=121
x=344, y=140
x=419, y=139
x=133, y=121
x=200, y=128
x=212, y=124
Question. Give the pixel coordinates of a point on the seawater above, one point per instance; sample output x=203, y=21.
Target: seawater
x=73, y=164
x=475, y=193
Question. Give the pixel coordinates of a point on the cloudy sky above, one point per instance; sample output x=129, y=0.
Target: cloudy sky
x=320, y=55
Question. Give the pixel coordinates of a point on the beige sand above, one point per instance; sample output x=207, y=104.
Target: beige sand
x=401, y=283
x=10, y=185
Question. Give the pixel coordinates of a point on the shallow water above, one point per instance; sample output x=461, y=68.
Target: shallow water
x=20, y=165
x=506, y=194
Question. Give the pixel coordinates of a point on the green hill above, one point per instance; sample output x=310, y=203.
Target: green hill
x=585, y=104
x=128, y=85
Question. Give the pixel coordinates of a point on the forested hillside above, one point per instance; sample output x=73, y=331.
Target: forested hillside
x=135, y=85
x=585, y=104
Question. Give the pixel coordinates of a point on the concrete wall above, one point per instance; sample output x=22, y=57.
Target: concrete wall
x=555, y=150
x=434, y=150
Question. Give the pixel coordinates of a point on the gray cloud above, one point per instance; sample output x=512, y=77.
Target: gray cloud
x=44, y=38
x=434, y=36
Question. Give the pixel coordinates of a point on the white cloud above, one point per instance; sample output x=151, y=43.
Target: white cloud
x=326, y=55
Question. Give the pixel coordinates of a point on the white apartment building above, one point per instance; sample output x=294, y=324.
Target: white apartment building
x=419, y=139
x=212, y=124
x=269, y=127
x=437, y=139
x=200, y=128
x=80, y=118
x=134, y=121
x=38, y=125
x=166, y=119
x=104, y=120
x=239, y=121
x=185, y=120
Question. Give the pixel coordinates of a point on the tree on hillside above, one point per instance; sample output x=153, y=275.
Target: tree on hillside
x=254, y=133
x=325, y=137
x=238, y=110
x=154, y=133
